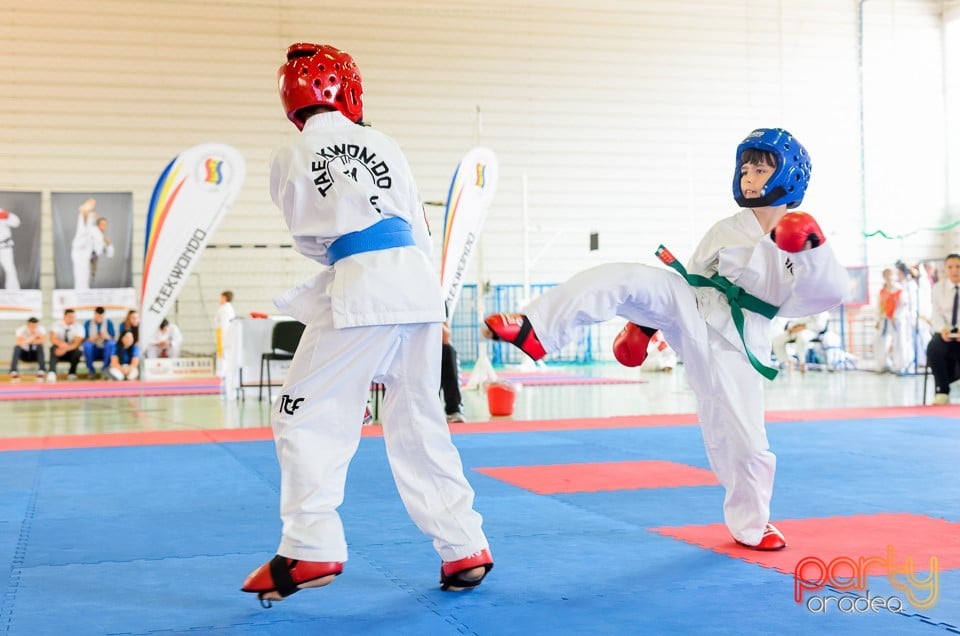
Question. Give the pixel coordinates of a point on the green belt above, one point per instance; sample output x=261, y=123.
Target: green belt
x=736, y=296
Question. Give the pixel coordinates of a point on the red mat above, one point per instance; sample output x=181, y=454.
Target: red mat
x=595, y=477
x=915, y=536
x=143, y=438
x=863, y=413
x=103, y=389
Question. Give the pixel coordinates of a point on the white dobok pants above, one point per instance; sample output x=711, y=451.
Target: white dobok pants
x=729, y=391
x=317, y=422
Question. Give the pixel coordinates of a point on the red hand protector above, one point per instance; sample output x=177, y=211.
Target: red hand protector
x=630, y=345
x=794, y=230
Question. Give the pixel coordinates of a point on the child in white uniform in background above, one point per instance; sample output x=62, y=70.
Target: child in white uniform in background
x=800, y=332
x=374, y=312
x=660, y=355
x=221, y=324
x=762, y=258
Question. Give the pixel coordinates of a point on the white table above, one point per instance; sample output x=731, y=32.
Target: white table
x=248, y=339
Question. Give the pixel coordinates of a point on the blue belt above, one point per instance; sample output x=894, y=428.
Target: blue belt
x=382, y=235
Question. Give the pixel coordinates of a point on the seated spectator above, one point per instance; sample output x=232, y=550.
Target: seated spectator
x=66, y=343
x=660, y=355
x=166, y=343
x=100, y=341
x=799, y=332
x=30, y=340
x=131, y=323
x=943, y=352
x=125, y=361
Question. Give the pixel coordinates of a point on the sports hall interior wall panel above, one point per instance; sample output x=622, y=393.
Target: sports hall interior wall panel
x=622, y=115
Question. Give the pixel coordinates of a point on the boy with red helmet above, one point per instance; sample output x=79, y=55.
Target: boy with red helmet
x=373, y=313
x=758, y=263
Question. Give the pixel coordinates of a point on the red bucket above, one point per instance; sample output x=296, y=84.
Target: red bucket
x=500, y=398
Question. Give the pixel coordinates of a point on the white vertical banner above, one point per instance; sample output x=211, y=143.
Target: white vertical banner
x=471, y=191
x=190, y=199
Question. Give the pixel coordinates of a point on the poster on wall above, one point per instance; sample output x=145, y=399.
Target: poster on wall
x=20, y=296
x=858, y=294
x=93, y=252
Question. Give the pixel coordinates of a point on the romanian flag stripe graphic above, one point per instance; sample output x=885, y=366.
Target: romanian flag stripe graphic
x=158, y=191
x=148, y=258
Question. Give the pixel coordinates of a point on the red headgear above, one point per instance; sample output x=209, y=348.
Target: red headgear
x=320, y=75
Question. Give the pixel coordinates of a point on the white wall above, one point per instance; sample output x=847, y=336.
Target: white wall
x=624, y=114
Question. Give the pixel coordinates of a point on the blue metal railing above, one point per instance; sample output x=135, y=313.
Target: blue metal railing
x=465, y=328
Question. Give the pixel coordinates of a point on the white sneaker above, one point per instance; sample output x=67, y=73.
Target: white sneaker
x=72, y=377
x=40, y=376
x=51, y=377
x=14, y=376
x=454, y=418
x=116, y=375
x=941, y=398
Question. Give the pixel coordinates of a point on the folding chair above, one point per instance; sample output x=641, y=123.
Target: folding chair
x=283, y=344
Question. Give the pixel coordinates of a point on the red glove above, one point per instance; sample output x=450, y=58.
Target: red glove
x=630, y=345
x=794, y=230
x=4, y=214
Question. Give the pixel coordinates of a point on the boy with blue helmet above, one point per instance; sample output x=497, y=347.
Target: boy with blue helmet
x=761, y=262
x=791, y=174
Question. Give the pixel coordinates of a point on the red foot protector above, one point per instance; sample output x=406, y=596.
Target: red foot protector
x=772, y=539
x=837, y=540
x=595, y=477
x=283, y=575
x=515, y=329
x=450, y=571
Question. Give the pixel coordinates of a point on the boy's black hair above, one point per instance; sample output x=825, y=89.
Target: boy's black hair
x=759, y=157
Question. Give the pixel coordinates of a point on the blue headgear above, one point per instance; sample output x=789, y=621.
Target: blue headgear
x=791, y=176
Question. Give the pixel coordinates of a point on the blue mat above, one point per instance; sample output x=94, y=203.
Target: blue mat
x=146, y=540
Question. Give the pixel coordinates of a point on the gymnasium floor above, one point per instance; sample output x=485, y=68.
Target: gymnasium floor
x=142, y=515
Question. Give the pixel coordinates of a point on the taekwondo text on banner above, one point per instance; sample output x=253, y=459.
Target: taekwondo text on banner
x=471, y=191
x=188, y=202
x=20, y=295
